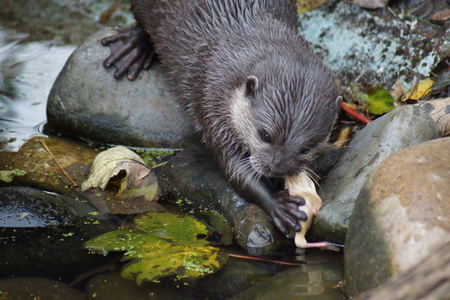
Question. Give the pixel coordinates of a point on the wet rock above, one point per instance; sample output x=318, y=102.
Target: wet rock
x=42, y=234
x=306, y=282
x=429, y=279
x=32, y=165
x=325, y=160
x=360, y=46
x=35, y=167
x=400, y=215
x=88, y=102
x=37, y=288
x=195, y=176
x=402, y=127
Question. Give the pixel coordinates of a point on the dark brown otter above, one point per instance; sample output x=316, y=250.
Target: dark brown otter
x=261, y=98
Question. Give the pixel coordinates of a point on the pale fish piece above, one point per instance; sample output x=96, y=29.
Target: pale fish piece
x=302, y=186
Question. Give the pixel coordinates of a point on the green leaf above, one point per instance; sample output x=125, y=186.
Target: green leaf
x=380, y=101
x=162, y=244
x=442, y=82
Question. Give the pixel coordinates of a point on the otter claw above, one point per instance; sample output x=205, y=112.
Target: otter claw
x=131, y=51
x=286, y=214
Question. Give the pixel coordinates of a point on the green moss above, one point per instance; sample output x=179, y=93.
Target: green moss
x=8, y=175
x=153, y=158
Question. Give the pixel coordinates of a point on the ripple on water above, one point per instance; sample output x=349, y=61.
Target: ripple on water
x=27, y=73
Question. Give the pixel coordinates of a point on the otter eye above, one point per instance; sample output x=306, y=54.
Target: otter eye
x=304, y=151
x=265, y=137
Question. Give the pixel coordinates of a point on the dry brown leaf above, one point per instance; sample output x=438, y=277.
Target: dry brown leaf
x=139, y=180
x=370, y=4
x=439, y=111
x=343, y=138
x=441, y=16
x=398, y=90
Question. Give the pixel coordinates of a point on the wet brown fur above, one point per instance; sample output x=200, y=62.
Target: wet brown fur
x=213, y=51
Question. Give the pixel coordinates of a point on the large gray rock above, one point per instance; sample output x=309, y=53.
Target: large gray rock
x=87, y=101
x=403, y=127
x=429, y=279
x=43, y=234
x=400, y=216
x=377, y=47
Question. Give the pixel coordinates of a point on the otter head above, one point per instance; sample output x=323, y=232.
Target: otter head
x=283, y=119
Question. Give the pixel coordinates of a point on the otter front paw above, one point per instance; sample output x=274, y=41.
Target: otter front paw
x=131, y=51
x=285, y=213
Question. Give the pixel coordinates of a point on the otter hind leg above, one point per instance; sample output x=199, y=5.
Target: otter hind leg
x=131, y=51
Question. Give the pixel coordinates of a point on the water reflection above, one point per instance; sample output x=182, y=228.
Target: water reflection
x=27, y=72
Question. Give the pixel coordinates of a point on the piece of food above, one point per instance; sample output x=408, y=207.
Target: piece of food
x=302, y=186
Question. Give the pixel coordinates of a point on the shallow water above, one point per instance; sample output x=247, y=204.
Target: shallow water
x=23, y=97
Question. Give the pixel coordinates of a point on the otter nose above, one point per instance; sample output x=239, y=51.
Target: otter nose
x=275, y=169
x=283, y=166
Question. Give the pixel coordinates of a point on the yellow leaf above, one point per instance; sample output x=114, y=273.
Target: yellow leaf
x=418, y=91
x=304, y=6
x=161, y=245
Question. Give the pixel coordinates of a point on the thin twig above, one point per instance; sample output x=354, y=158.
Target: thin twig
x=355, y=114
x=57, y=163
x=265, y=260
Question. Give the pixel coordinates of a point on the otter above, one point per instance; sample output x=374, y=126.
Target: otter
x=263, y=102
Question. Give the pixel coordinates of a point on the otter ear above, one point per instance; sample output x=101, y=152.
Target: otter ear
x=251, y=85
x=338, y=102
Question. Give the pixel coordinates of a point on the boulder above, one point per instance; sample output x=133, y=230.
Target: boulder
x=401, y=214
x=402, y=127
x=86, y=101
x=43, y=234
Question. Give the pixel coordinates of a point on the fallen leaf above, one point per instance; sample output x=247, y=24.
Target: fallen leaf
x=442, y=82
x=398, y=90
x=370, y=4
x=380, y=101
x=216, y=223
x=161, y=245
x=139, y=180
x=377, y=99
x=418, y=91
x=439, y=111
x=343, y=138
x=441, y=16
x=304, y=6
